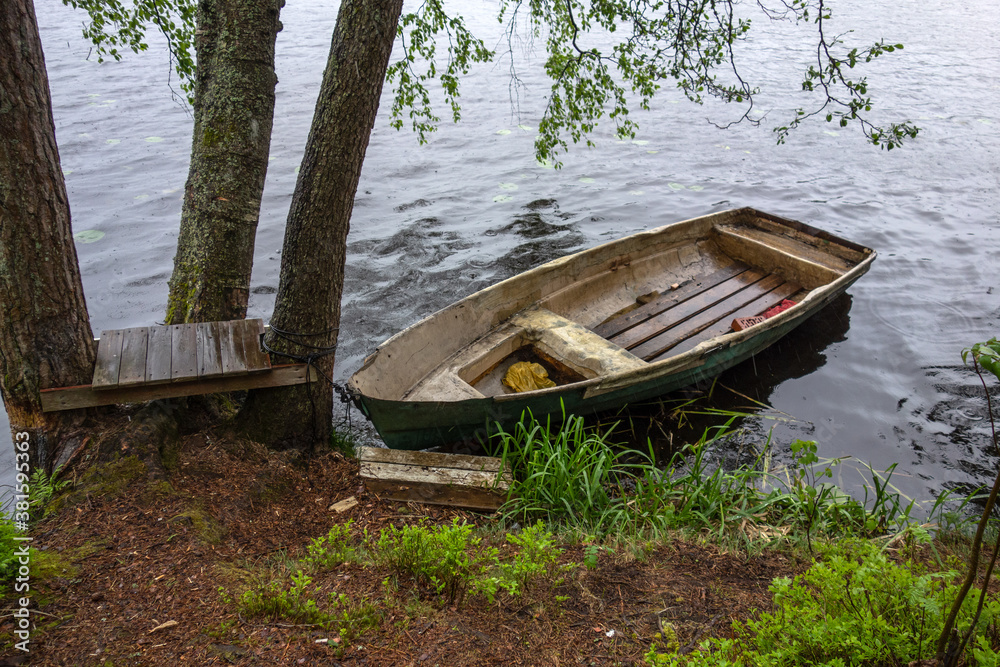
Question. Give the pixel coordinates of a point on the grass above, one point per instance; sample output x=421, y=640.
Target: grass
x=574, y=477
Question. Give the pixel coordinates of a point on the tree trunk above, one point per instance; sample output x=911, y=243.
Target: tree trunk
x=312, y=258
x=233, y=115
x=45, y=336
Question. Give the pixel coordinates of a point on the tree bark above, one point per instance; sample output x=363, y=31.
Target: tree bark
x=45, y=336
x=233, y=116
x=313, y=254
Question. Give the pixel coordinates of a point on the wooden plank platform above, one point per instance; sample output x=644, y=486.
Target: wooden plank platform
x=150, y=363
x=473, y=482
x=695, y=312
x=178, y=353
x=85, y=396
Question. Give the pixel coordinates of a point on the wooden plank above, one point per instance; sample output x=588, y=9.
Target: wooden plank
x=656, y=346
x=250, y=331
x=722, y=326
x=666, y=301
x=158, y=355
x=668, y=319
x=429, y=459
x=183, y=353
x=231, y=351
x=85, y=396
x=133, y=359
x=436, y=494
x=109, y=355
x=209, y=352
x=430, y=475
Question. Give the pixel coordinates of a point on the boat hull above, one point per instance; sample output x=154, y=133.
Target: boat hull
x=413, y=422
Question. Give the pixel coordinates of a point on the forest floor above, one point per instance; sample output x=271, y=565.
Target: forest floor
x=134, y=573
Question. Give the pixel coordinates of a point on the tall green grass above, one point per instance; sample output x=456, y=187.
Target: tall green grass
x=571, y=475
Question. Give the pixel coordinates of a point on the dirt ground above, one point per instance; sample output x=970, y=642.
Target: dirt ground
x=144, y=572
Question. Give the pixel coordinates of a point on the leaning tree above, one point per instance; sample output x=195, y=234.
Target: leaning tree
x=45, y=336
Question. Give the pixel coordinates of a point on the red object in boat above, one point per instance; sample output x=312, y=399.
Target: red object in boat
x=780, y=308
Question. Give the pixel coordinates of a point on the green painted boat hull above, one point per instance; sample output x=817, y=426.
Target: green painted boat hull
x=420, y=424
x=446, y=356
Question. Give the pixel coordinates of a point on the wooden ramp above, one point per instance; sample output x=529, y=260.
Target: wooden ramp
x=474, y=482
x=671, y=323
x=149, y=363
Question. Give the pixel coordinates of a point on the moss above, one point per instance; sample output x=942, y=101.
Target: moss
x=156, y=492
x=49, y=564
x=205, y=526
x=110, y=479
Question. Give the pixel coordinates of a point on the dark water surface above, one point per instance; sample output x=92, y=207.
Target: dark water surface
x=877, y=376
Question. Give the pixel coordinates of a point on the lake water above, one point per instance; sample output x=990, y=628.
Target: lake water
x=877, y=377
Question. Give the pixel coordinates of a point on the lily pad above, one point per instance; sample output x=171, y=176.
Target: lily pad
x=587, y=179
x=112, y=142
x=636, y=192
x=676, y=186
x=652, y=152
x=640, y=142
x=526, y=128
x=141, y=197
x=502, y=198
x=545, y=164
x=88, y=236
x=508, y=186
x=696, y=188
x=154, y=140
x=832, y=133
x=503, y=132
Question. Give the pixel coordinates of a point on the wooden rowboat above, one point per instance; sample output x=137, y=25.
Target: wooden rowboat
x=622, y=322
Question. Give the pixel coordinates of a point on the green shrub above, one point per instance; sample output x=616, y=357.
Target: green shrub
x=332, y=549
x=445, y=558
x=8, y=561
x=856, y=607
x=453, y=561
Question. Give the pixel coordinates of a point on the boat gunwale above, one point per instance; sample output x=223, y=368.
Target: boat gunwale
x=654, y=369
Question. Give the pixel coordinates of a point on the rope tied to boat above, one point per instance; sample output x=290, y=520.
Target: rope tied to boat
x=319, y=351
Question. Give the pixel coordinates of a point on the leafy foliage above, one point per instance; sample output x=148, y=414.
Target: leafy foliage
x=115, y=26
x=8, y=561
x=830, y=74
x=332, y=549
x=418, y=33
x=856, y=607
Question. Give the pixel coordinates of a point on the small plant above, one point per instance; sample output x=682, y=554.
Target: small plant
x=8, y=559
x=856, y=607
x=332, y=549
x=295, y=603
x=445, y=558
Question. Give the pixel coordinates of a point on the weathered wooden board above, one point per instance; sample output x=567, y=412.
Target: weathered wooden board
x=183, y=353
x=209, y=351
x=109, y=356
x=655, y=347
x=158, y=354
x=473, y=482
x=85, y=396
x=655, y=326
x=667, y=301
x=133, y=360
x=250, y=331
x=722, y=326
x=233, y=356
